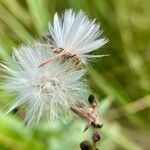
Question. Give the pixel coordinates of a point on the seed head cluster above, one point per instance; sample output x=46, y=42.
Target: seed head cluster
x=47, y=91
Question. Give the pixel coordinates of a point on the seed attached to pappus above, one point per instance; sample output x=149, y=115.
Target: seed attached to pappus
x=73, y=35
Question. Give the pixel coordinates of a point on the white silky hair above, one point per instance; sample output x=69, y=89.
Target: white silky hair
x=76, y=33
x=46, y=92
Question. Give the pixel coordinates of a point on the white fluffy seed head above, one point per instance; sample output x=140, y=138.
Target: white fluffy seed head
x=76, y=33
x=46, y=92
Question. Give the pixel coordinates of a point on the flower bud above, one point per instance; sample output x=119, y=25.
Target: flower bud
x=85, y=145
x=95, y=137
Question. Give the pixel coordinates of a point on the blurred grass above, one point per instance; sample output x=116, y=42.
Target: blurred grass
x=121, y=80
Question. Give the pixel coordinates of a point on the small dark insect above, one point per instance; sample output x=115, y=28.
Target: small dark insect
x=88, y=113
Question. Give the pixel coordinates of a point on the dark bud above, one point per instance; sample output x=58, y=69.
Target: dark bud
x=95, y=137
x=91, y=99
x=85, y=145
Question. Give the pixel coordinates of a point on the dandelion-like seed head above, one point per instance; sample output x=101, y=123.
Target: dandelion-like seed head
x=76, y=33
x=46, y=92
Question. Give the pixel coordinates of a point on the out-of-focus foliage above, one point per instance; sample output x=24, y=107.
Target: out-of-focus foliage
x=120, y=80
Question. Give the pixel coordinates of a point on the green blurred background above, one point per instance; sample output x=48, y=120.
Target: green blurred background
x=121, y=81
